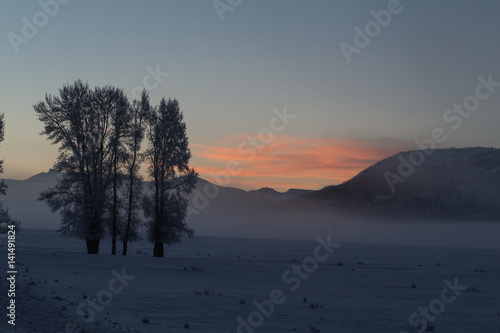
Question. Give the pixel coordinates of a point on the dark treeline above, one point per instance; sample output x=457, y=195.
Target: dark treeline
x=100, y=135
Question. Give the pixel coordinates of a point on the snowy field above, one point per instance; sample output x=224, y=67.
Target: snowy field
x=206, y=284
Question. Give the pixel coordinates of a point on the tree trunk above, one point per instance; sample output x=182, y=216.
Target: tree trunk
x=125, y=247
x=129, y=211
x=113, y=240
x=158, y=250
x=92, y=246
x=115, y=206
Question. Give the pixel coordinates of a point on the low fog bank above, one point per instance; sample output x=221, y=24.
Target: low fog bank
x=350, y=230
x=307, y=226
x=236, y=213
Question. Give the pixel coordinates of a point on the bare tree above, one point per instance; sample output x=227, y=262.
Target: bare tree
x=139, y=113
x=5, y=219
x=3, y=186
x=81, y=121
x=167, y=158
x=120, y=113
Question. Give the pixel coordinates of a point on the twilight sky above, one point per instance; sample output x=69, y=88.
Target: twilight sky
x=233, y=77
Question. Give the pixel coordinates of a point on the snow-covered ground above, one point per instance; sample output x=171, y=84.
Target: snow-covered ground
x=357, y=288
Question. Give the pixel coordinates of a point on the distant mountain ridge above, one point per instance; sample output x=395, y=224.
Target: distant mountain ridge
x=270, y=193
x=455, y=183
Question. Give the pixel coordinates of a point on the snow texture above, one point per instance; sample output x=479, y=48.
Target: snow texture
x=357, y=289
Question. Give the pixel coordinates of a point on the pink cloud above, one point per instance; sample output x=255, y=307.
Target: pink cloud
x=289, y=161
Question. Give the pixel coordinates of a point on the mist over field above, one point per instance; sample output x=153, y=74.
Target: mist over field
x=240, y=214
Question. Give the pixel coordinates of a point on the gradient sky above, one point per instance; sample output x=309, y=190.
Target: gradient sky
x=229, y=76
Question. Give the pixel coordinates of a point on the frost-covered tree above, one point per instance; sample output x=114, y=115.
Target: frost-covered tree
x=120, y=115
x=3, y=186
x=82, y=122
x=167, y=158
x=5, y=219
x=139, y=113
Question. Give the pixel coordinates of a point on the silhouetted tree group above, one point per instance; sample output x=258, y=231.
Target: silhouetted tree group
x=100, y=135
x=5, y=219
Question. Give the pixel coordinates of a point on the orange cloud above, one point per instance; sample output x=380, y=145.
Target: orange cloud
x=288, y=162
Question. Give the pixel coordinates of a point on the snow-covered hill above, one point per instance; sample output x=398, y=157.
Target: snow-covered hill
x=435, y=184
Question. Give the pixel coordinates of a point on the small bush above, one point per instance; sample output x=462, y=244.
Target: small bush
x=316, y=305
x=313, y=329
x=473, y=288
x=420, y=328
x=207, y=292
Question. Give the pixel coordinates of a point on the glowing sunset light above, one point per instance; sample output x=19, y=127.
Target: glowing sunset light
x=290, y=162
